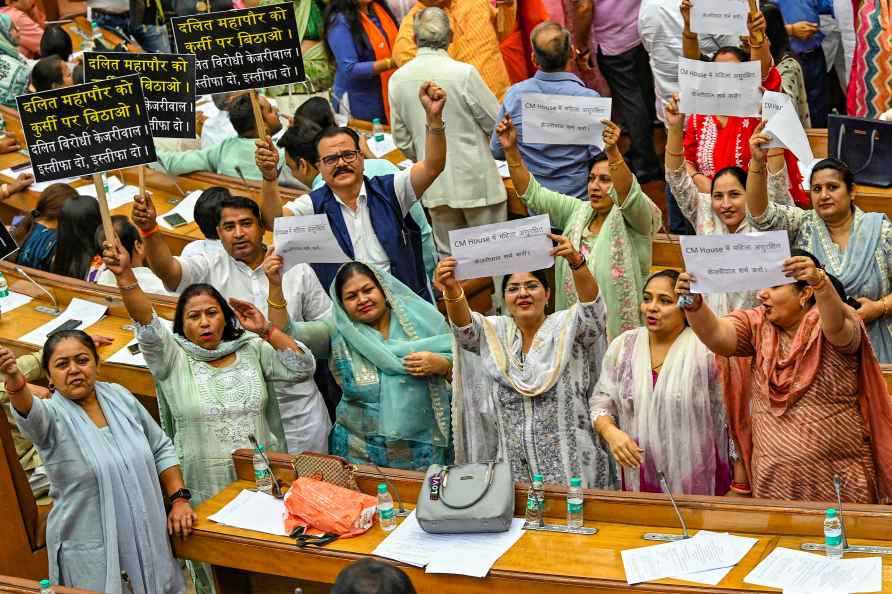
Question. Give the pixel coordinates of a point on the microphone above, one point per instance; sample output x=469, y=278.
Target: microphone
x=837, y=486
x=665, y=485
x=50, y=310
x=277, y=490
x=401, y=512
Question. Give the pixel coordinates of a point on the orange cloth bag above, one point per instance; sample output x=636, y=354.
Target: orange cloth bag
x=324, y=508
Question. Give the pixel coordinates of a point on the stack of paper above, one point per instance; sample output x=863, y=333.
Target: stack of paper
x=705, y=558
x=12, y=301
x=798, y=572
x=252, y=510
x=185, y=208
x=126, y=357
x=381, y=147
x=118, y=192
x=462, y=554
x=85, y=312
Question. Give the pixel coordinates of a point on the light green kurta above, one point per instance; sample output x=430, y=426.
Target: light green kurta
x=619, y=256
x=220, y=158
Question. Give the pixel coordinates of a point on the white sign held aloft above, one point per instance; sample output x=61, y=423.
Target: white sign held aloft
x=307, y=239
x=785, y=128
x=739, y=262
x=564, y=119
x=719, y=88
x=521, y=245
x=720, y=17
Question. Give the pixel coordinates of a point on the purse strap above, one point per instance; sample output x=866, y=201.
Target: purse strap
x=490, y=472
x=839, y=143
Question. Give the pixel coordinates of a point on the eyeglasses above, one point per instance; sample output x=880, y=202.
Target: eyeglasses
x=332, y=160
x=530, y=287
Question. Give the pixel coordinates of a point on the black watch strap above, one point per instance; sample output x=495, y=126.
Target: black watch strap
x=181, y=494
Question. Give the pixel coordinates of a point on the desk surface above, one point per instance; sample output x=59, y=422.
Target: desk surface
x=560, y=561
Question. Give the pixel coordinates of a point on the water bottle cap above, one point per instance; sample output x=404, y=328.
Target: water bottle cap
x=260, y=447
x=382, y=488
x=831, y=512
x=575, y=482
x=45, y=584
x=376, y=120
x=537, y=478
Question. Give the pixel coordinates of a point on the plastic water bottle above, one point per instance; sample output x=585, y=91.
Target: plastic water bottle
x=574, y=504
x=832, y=534
x=4, y=287
x=46, y=587
x=95, y=35
x=535, y=502
x=385, y=509
x=262, y=474
x=377, y=130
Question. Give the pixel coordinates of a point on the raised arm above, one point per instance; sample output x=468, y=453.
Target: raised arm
x=838, y=323
x=273, y=266
x=762, y=52
x=583, y=12
x=620, y=175
x=117, y=260
x=756, y=188
x=433, y=99
x=253, y=321
x=586, y=286
x=719, y=335
x=267, y=158
x=457, y=309
x=690, y=43
x=20, y=396
x=507, y=135
x=161, y=261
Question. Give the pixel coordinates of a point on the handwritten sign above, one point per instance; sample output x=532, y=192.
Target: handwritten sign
x=168, y=84
x=306, y=239
x=719, y=88
x=720, y=17
x=520, y=245
x=564, y=119
x=87, y=128
x=237, y=50
x=739, y=262
x=784, y=126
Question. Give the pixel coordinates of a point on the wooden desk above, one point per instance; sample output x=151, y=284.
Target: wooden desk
x=15, y=585
x=247, y=561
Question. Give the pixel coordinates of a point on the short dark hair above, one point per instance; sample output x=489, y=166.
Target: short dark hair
x=734, y=170
x=348, y=271
x=77, y=74
x=207, y=210
x=241, y=116
x=299, y=140
x=241, y=203
x=47, y=73
x=742, y=56
x=55, y=42
x=318, y=111
x=333, y=131
x=53, y=340
x=370, y=576
x=539, y=275
x=848, y=178
x=552, y=56
x=231, y=329
x=124, y=229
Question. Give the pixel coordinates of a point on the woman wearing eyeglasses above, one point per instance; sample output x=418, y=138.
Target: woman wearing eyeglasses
x=522, y=383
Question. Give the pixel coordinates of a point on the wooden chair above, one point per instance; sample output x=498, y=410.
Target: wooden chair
x=23, y=550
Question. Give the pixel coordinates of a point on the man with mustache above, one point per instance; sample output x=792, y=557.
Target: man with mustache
x=370, y=217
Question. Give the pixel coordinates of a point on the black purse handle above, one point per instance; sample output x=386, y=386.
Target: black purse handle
x=445, y=474
x=873, y=140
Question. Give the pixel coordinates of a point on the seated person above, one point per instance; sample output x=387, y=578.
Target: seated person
x=50, y=73
x=318, y=111
x=77, y=253
x=232, y=153
x=205, y=214
x=14, y=69
x=29, y=21
x=371, y=576
x=136, y=249
x=36, y=234
x=56, y=42
x=217, y=127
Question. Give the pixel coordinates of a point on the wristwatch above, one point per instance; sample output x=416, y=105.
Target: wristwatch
x=181, y=494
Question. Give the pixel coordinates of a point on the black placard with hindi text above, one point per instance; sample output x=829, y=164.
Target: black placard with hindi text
x=87, y=128
x=237, y=50
x=168, y=84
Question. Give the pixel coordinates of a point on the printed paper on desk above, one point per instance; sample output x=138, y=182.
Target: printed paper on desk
x=185, y=208
x=739, y=262
x=801, y=572
x=741, y=546
x=307, y=239
x=12, y=301
x=719, y=88
x=382, y=147
x=520, y=245
x=125, y=357
x=252, y=510
x=787, y=130
x=564, y=119
x=78, y=309
x=720, y=17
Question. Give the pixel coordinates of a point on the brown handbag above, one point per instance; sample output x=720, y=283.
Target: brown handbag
x=325, y=467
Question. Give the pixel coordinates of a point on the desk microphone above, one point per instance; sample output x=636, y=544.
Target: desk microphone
x=665, y=485
x=277, y=490
x=837, y=486
x=401, y=512
x=53, y=310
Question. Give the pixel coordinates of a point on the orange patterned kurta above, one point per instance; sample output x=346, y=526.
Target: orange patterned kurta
x=474, y=39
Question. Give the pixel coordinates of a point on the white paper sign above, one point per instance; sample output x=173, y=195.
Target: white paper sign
x=307, y=239
x=520, y=245
x=86, y=312
x=720, y=17
x=739, y=262
x=564, y=119
x=787, y=130
x=719, y=88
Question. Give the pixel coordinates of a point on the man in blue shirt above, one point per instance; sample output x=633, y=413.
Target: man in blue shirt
x=803, y=25
x=558, y=167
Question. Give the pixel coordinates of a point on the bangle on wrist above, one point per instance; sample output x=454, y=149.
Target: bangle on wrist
x=270, y=179
x=150, y=232
x=615, y=164
x=741, y=488
x=461, y=296
x=681, y=154
x=275, y=305
x=579, y=264
x=129, y=287
x=437, y=131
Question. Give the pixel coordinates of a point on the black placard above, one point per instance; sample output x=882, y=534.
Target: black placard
x=237, y=50
x=7, y=243
x=168, y=84
x=87, y=128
